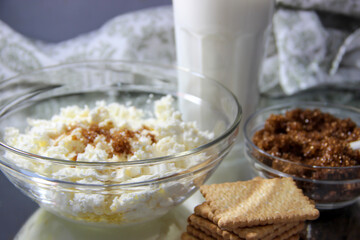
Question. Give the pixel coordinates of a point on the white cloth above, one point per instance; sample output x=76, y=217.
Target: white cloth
x=144, y=36
x=302, y=53
x=306, y=53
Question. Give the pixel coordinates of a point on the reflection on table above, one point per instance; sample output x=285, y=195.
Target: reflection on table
x=44, y=225
x=343, y=223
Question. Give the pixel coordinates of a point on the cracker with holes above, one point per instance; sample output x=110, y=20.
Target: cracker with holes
x=257, y=202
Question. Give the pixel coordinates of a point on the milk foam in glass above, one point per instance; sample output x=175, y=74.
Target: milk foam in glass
x=223, y=40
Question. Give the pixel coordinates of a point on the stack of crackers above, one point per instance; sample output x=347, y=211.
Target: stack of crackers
x=255, y=209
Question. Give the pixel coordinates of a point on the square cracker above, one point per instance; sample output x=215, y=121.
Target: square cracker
x=266, y=232
x=210, y=228
x=257, y=202
x=251, y=233
x=197, y=234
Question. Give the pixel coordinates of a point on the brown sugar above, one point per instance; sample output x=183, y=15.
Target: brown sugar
x=310, y=137
x=120, y=140
x=307, y=138
x=121, y=143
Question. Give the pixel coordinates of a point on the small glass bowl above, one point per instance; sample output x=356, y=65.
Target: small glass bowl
x=329, y=187
x=137, y=84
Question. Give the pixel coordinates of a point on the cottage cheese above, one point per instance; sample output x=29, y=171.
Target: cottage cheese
x=110, y=133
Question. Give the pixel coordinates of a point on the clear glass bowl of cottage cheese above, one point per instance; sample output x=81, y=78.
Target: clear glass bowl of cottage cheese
x=114, y=143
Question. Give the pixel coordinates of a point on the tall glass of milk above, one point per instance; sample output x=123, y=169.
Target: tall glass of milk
x=223, y=40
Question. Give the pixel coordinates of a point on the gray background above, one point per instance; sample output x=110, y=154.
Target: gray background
x=57, y=20
x=52, y=21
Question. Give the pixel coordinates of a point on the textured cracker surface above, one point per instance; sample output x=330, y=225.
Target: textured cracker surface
x=203, y=210
x=294, y=237
x=187, y=236
x=250, y=233
x=210, y=228
x=198, y=233
x=257, y=202
x=291, y=233
x=265, y=232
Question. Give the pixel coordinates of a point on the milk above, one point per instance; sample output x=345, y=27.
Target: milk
x=224, y=40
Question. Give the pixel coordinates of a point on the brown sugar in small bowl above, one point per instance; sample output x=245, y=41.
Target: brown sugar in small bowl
x=330, y=184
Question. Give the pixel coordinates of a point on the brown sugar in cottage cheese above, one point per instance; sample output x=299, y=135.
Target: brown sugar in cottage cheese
x=111, y=133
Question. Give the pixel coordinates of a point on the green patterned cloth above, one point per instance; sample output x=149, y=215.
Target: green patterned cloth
x=314, y=42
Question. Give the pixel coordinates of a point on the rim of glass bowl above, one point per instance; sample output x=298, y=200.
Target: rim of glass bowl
x=293, y=105
x=172, y=157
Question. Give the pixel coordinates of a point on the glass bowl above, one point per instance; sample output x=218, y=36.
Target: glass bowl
x=110, y=201
x=329, y=187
